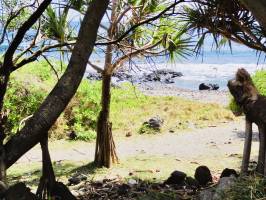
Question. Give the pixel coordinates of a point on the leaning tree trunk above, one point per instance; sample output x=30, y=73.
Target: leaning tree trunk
x=59, y=97
x=48, y=187
x=105, y=153
x=3, y=119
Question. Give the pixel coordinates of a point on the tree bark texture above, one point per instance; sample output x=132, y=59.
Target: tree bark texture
x=247, y=147
x=105, y=152
x=5, y=70
x=47, y=180
x=36, y=127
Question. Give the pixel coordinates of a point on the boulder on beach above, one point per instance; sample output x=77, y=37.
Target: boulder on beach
x=176, y=177
x=229, y=172
x=203, y=175
x=154, y=123
x=208, y=86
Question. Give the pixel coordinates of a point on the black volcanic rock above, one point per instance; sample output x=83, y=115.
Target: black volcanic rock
x=203, y=175
x=208, y=86
x=177, y=177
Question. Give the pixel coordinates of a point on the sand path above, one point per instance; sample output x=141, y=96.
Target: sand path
x=214, y=146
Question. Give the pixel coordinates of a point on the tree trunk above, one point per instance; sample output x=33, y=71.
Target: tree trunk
x=47, y=180
x=247, y=147
x=105, y=153
x=5, y=70
x=261, y=158
x=258, y=8
x=59, y=97
x=3, y=119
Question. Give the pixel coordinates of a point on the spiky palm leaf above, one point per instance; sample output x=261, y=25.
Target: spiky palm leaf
x=223, y=19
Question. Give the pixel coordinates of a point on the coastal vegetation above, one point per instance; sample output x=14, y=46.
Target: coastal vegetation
x=259, y=80
x=43, y=99
x=29, y=86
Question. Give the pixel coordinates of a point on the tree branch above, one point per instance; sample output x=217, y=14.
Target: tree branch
x=140, y=24
x=8, y=58
x=97, y=68
x=35, y=55
x=133, y=53
x=46, y=115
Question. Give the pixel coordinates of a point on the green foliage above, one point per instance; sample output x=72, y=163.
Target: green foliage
x=259, y=81
x=21, y=101
x=129, y=107
x=56, y=26
x=246, y=188
x=9, y=8
x=84, y=110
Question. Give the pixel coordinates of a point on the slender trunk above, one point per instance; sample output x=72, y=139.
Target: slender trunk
x=261, y=158
x=48, y=187
x=3, y=118
x=247, y=147
x=105, y=153
x=47, y=180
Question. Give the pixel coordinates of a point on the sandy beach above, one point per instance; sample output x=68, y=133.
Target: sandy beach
x=205, y=96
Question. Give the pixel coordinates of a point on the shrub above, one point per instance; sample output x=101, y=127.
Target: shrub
x=259, y=80
x=246, y=188
x=129, y=107
x=20, y=102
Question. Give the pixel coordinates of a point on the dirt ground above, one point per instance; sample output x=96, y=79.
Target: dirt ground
x=217, y=147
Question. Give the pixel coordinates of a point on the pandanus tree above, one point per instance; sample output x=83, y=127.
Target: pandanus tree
x=36, y=128
x=135, y=29
x=226, y=21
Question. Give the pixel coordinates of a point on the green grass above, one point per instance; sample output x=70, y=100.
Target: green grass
x=259, y=81
x=129, y=107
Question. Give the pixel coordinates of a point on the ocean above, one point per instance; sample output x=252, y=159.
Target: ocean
x=213, y=66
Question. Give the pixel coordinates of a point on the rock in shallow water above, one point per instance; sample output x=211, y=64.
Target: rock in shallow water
x=208, y=86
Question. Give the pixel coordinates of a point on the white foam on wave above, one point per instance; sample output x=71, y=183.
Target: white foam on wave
x=196, y=73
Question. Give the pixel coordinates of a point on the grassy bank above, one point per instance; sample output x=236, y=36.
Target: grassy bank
x=129, y=107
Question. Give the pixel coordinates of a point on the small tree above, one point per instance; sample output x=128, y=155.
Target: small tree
x=157, y=36
x=36, y=128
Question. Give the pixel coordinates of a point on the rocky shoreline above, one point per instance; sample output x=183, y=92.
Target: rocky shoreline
x=205, y=96
x=165, y=83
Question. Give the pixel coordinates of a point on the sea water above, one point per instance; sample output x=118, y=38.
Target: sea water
x=216, y=67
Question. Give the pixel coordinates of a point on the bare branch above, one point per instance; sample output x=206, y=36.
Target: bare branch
x=8, y=58
x=52, y=67
x=141, y=23
x=97, y=68
x=133, y=53
x=35, y=55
